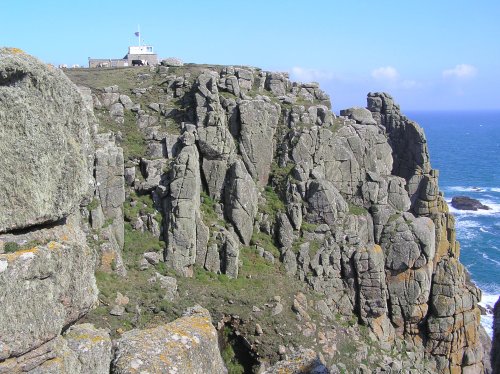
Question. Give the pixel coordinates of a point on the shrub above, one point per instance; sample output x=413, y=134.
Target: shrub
x=10, y=247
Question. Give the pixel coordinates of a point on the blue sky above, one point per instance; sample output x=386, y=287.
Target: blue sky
x=437, y=55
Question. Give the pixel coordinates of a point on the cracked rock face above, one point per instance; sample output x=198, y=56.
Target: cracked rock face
x=241, y=201
x=45, y=143
x=258, y=125
x=182, y=208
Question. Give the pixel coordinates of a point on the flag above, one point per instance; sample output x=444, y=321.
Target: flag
x=137, y=33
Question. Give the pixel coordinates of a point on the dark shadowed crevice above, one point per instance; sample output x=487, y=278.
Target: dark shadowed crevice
x=236, y=353
x=12, y=77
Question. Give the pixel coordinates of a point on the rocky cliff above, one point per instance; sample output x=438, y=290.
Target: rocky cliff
x=236, y=189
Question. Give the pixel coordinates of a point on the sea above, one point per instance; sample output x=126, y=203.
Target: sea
x=465, y=147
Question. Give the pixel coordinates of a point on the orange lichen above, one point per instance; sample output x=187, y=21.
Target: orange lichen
x=107, y=260
x=15, y=51
x=14, y=256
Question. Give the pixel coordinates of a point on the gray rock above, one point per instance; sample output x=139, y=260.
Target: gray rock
x=109, y=176
x=241, y=201
x=300, y=361
x=258, y=126
x=360, y=115
x=57, y=285
x=169, y=284
x=285, y=231
x=325, y=204
x=172, y=61
x=45, y=139
x=152, y=171
x=182, y=209
x=117, y=310
x=129, y=175
x=116, y=112
x=126, y=102
x=188, y=342
x=153, y=257
x=216, y=145
x=92, y=346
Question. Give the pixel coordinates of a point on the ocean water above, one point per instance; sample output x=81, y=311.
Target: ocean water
x=465, y=147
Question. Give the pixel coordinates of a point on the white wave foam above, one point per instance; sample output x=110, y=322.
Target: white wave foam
x=495, y=209
x=495, y=189
x=486, y=257
x=488, y=301
x=487, y=323
x=465, y=189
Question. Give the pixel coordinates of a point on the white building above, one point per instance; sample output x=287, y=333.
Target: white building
x=143, y=53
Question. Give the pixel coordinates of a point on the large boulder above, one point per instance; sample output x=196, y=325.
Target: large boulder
x=44, y=288
x=186, y=345
x=45, y=143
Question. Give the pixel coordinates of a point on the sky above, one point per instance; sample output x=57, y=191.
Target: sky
x=429, y=55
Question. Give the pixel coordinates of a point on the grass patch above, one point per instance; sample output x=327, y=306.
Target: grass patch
x=357, y=210
x=136, y=243
x=265, y=241
x=11, y=247
x=273, y=203
x=207, y=207
x=93, y=204
x=143, y=204
x=309, y=227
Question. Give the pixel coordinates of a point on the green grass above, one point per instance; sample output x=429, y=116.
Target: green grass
x=273, y=203
x=265, y=241
x=357, y=210
x=207, y=208
x=93, y=204
x=137, y=243
x=144, y=205
x=309, y=227
x=11, y=247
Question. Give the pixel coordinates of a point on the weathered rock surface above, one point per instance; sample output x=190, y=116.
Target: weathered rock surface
x=258, y=126
x=188, y=344
x=182, y=208
x=57, y=286
x=241, y=201
x=82, y=349
x=45, y=143
x=110, y=193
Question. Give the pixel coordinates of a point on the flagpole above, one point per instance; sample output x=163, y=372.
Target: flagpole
x=139, y=31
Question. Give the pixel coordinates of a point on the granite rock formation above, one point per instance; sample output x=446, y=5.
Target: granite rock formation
x=232, y=160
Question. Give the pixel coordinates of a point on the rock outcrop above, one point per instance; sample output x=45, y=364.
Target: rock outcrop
x=188, y=344
x=47, y=267
x=467, y=203
x=46, y=143
x=239, y=160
